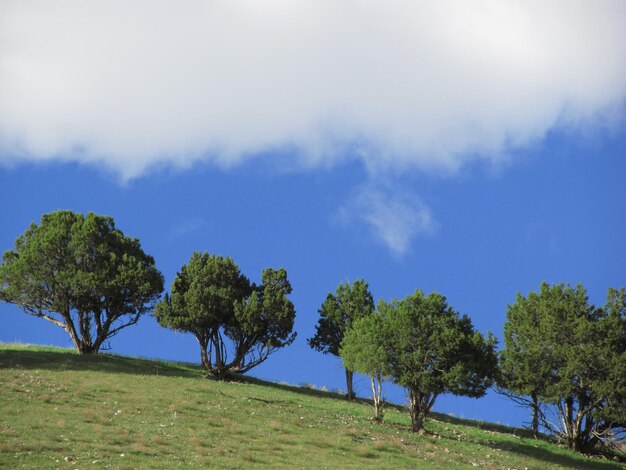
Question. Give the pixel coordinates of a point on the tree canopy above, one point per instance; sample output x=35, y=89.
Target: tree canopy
x=213, y=300
x=338, y=311
x=525, y=365
x=572, y=357
x=364, y=350
x=426, y=347
x=82, y=274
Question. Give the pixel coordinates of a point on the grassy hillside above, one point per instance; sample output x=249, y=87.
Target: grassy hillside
x=62, y=410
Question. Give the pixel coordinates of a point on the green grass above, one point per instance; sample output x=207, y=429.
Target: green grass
x=62, y=410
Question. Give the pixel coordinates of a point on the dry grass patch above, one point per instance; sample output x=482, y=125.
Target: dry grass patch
x=142, y=448
x=366, y=452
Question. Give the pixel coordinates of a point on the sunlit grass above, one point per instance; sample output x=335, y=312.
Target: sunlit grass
x=62, y=410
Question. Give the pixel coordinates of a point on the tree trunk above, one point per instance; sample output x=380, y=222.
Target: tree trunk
x=571, y=438
x=417, y=419
x=569, y=424
x=71, y=329
x=99, y=340
x=80, y=347
x=577, y=425
x=535, y=411
x=204, y=343
x=377, y=389
x=349, y=375
x=417, y=410
x=84, y=324
x=217, y=344
x=218, y=370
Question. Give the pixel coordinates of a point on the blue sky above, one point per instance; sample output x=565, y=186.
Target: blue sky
x=475, y=155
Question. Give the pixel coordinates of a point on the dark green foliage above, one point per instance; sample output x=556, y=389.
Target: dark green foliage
x=428, y=349
x=613, y=388
x=337, y=313
x=571, y=356
x=82, y=274
x=525, y=365
x=212, y=299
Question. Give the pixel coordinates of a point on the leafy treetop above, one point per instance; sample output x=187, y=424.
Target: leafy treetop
x=426, y=347
x=212, y=300
x=82, y=274
x=338, y=311
x=572, y=357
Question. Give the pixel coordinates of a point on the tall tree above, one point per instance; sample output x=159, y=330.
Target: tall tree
x=581, y=378
x=337, y=313
x=82, y=274
x=525, y=363
x=215, y=302
x=432, y=350
x=364, y=350
x=611, y=414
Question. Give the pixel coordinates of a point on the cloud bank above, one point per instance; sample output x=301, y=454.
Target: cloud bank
x=395, y=84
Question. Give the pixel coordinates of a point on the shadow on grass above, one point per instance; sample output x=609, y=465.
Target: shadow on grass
x=552, y=458
x=308, y=391
x=530, y=449
x=494, y=427
x=19, y=357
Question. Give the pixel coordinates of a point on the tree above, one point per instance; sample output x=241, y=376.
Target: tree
x=337, y=313
x=432, y=350
x=610, y=415
x=212, y=300
x=581, y=378
x=525, y=365
x=82, y=274
x=363, y=350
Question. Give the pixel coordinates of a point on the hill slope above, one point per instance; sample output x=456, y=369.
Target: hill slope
x=62, y=410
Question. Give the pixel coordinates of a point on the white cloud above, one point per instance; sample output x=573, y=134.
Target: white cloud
x=394, y=216
x=185, y=227
x=397, y=84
